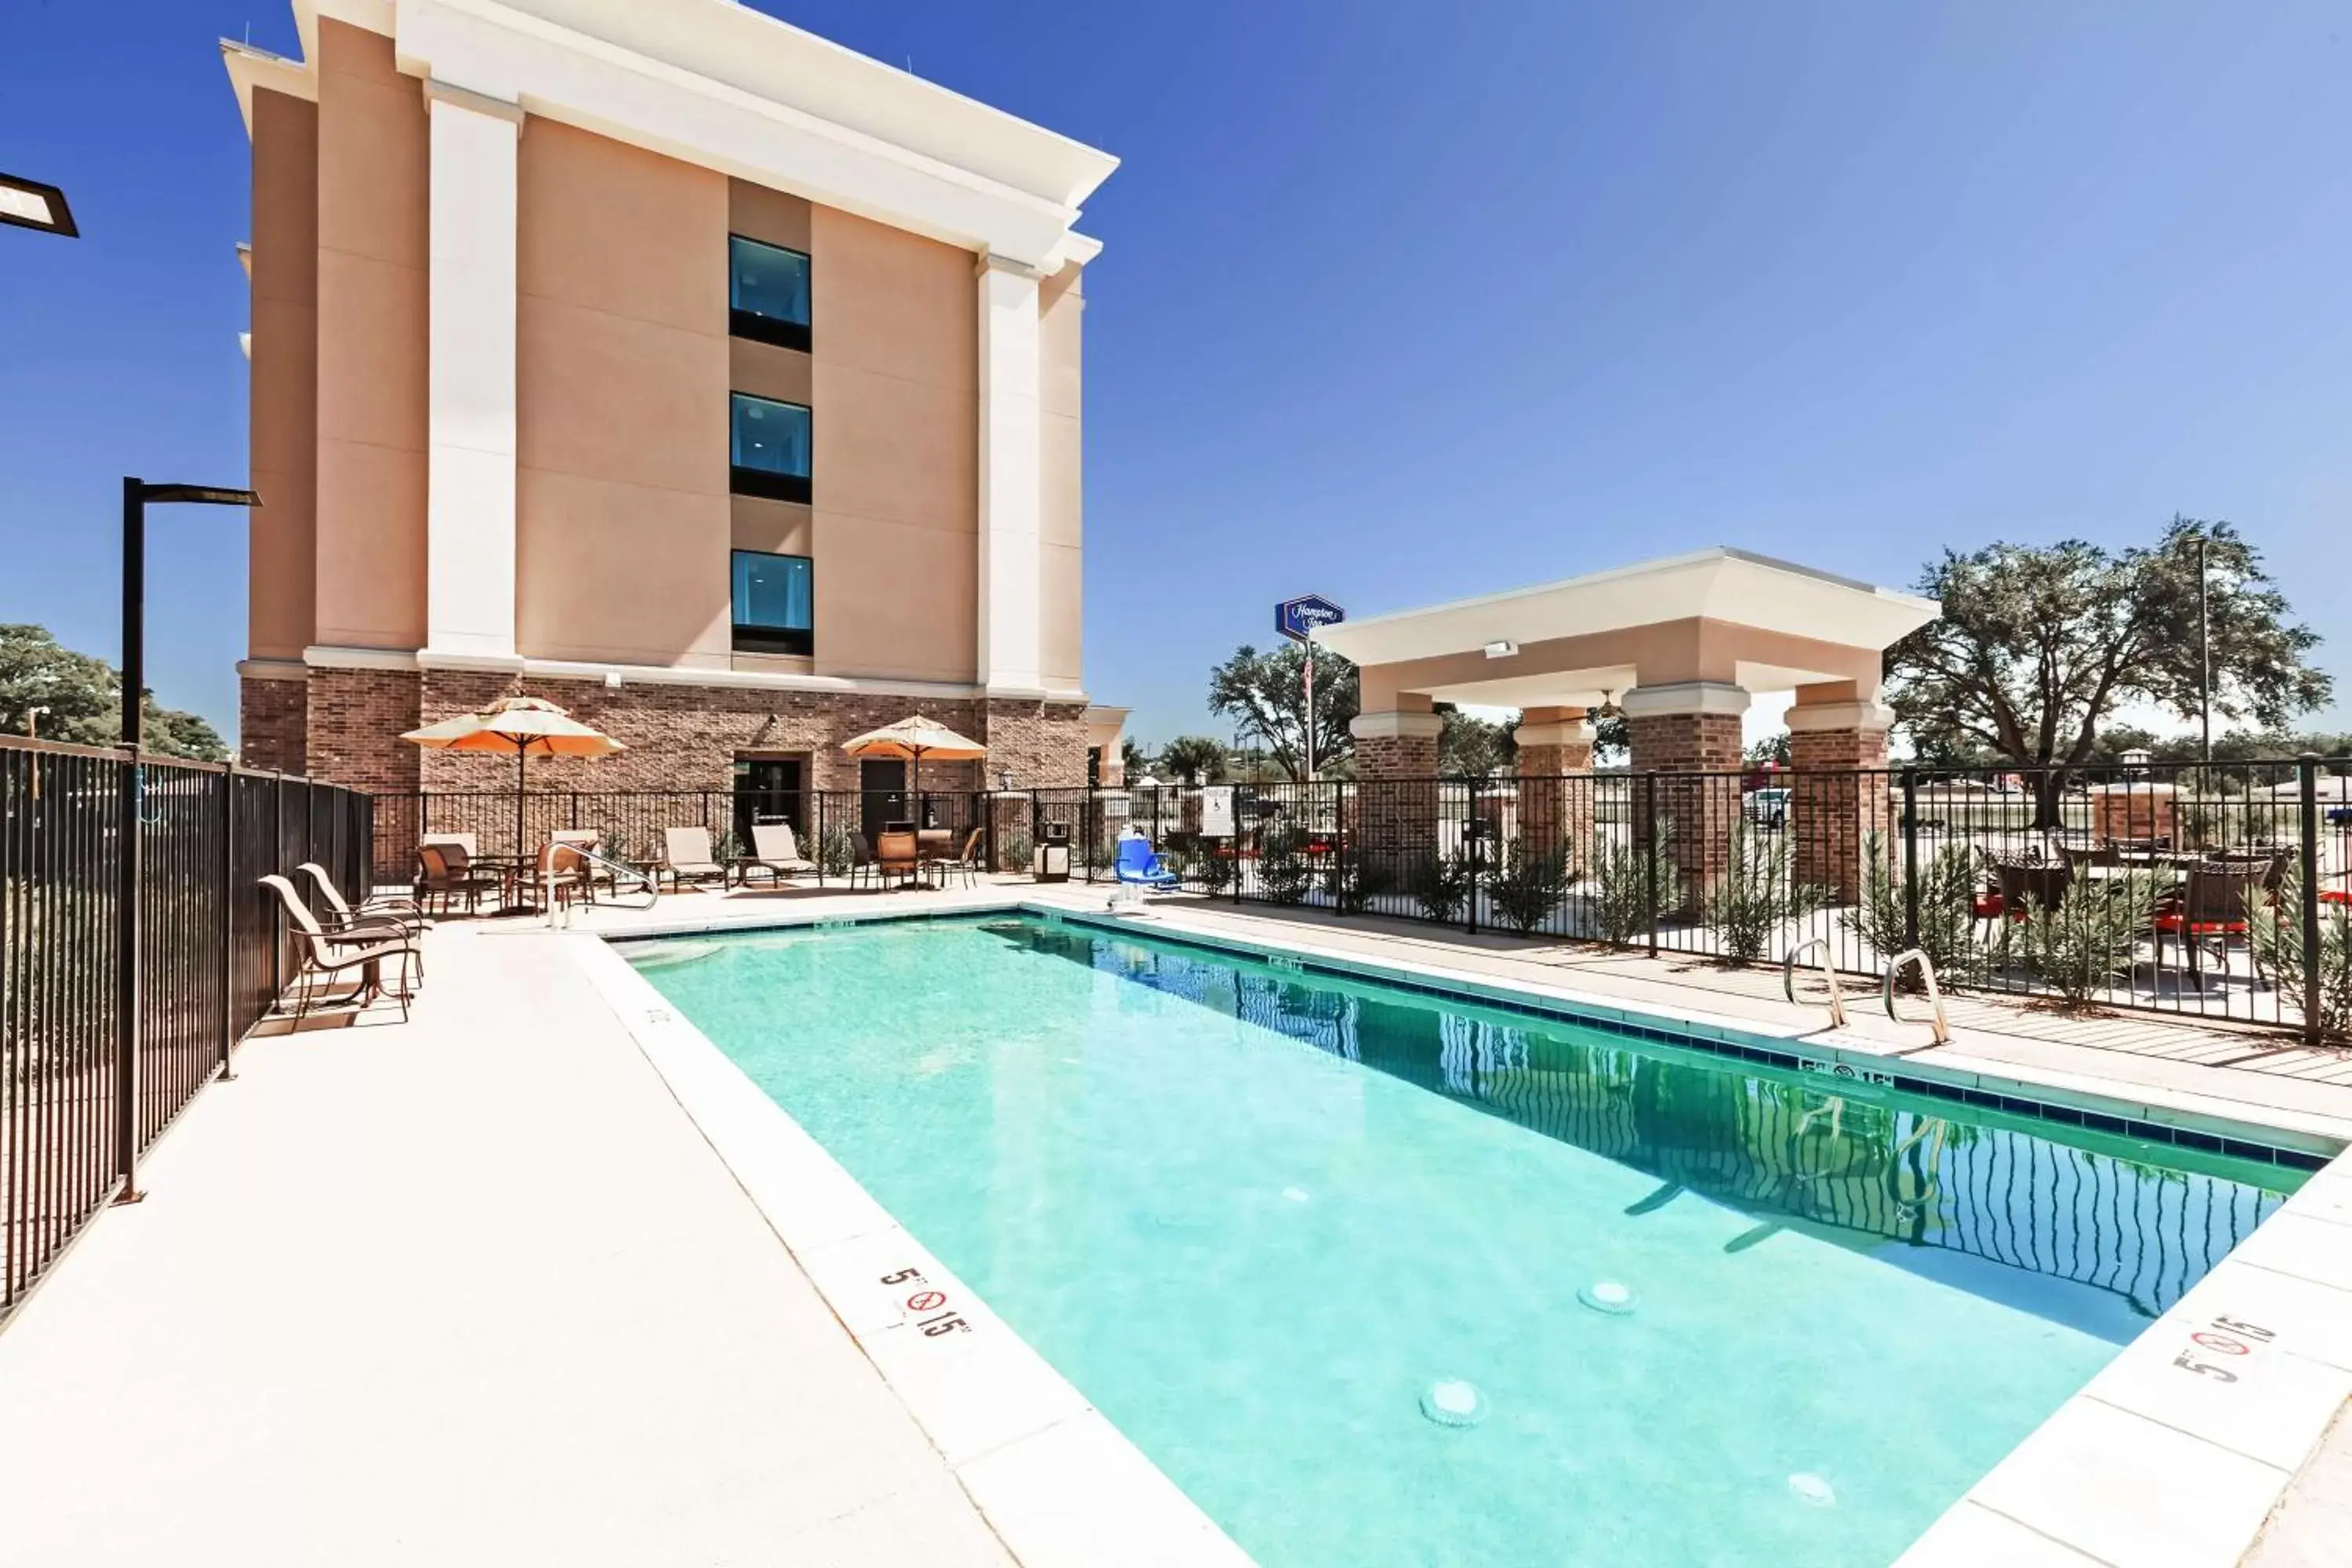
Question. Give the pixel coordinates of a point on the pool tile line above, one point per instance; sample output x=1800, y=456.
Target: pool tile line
x=1015, y=1433
x=2120, y=1118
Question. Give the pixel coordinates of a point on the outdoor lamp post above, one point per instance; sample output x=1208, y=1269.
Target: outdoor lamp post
x=28, y=203
x=136, y=495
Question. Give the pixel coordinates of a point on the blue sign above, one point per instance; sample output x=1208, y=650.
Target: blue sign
x=1298, y=618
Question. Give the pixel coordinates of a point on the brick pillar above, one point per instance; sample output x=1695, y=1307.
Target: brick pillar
x=1839, y=793
x=1690, y=727
x=1556, y=784
x=1396, y=767
x=273, y=715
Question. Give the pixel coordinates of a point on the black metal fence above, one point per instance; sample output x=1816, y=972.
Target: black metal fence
x=2222, y=891
x=76, y=1107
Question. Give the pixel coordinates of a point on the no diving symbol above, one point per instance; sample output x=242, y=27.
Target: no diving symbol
x=925, y=1301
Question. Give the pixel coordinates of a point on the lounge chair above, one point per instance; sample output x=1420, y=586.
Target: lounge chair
x=776, y=852
x=687, y=857
x=322, y=956
x=383, y=918
x=443, y=870
x=1139, y=866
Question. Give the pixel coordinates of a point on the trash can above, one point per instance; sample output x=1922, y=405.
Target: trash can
x=1053, y=854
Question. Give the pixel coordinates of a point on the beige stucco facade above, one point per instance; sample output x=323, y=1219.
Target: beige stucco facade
x=411, y=458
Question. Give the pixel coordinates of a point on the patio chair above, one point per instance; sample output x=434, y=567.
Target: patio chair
x=443, y=869
x=861, y=859
x=966, y=863
x=899, y=853
x=321, y=957
x=687, y=857
x=558, y=872
x=1139, y=866
x=2213, y=906
x=776, y=851
x=590, y=871
x=2026, y=889
x=384, y=918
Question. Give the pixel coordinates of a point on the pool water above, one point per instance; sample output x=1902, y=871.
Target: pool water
x=1262, y=1219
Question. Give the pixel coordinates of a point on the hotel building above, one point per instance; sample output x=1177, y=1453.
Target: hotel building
x=671, y=363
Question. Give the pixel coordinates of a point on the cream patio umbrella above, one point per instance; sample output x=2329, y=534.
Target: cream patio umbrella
x=912, y=740
x=523, y=725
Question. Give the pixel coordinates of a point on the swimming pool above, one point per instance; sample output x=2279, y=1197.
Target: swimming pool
x=1268, y=1221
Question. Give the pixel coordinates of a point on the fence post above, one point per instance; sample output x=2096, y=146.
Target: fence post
x=820, y=857
x=1472, y=840
x=127, y=990
x=2308, y=768
x=228, y=918
x=575, y=811
x=1910, y=858
x=1649, y=858
x=276, y=859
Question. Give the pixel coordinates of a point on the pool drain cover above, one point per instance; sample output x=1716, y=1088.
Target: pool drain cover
x=1811, y=1491
x=1609, y=1295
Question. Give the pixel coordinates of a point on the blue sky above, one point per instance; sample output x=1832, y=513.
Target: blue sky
x=1404, y=302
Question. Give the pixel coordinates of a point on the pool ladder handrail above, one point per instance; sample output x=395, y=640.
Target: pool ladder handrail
x=622, y=871
x=1895, y=968
x=1828, y=975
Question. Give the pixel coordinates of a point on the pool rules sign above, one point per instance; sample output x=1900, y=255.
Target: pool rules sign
x=1298, y=620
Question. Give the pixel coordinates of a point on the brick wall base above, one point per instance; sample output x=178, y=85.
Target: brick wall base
x=272, y=718
x=1556, y=802
x=678, y=737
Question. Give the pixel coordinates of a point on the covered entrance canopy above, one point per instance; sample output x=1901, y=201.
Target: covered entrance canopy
x=1720, y=618
x=1677, y=646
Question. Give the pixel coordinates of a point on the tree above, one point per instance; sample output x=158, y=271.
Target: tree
x=1196, y=758
x=84, y=696
x=2036, y=648
x=1473, y=748
x=1772, y=748
x=1265, y=694
x=1133, y=759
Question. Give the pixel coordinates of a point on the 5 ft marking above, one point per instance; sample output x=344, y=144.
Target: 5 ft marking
x=2212, y=1347
x=936, y=1316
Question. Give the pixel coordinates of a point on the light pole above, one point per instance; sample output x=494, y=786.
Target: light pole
x=136, y=495
x=28, y=203
x=2204, y=660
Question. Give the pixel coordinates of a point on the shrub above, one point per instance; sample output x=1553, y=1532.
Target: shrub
x=1012, y=850
x=1284, y=872
x=1440, y=884
x=834, y=854
x=1756, y=894
x=1630, y=882
x=2276, y=937
x=1948, y=892
x=1344, y=879
x=1535, y=882
x=2090, y=938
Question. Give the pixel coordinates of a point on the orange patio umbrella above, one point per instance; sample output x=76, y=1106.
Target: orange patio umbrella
x=522, y=725
x=912, y=740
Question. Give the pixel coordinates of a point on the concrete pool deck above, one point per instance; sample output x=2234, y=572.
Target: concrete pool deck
x=478, y=1290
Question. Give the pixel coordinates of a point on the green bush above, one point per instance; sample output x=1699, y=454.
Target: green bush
x=1629, y=882
x=1440, y=884
x=1530, y=888
x=835, y=855
x=1756, y=894
x=1284, y=872
x=2276, y=936
x=2090, y=938
x=1948, y=892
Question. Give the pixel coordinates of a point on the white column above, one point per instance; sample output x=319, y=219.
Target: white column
x=1010, y=654
x=470, y=574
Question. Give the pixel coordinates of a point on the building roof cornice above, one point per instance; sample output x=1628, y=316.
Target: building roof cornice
x=716, y=83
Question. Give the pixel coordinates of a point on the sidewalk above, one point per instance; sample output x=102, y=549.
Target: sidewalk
x=470, y=1290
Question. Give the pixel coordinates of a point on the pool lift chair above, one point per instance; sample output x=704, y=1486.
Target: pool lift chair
x=1138, y=871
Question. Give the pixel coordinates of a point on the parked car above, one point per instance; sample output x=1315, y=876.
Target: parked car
x=1768, y=808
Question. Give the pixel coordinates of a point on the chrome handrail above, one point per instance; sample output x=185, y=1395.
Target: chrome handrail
x=1895, y=968
x=1788, y=977
x=620, y=869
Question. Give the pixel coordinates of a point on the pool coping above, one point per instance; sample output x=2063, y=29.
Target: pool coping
x=2159, y=1458
x=1056, y=1481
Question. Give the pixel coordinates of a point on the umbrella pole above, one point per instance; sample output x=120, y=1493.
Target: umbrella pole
x=522, y=756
